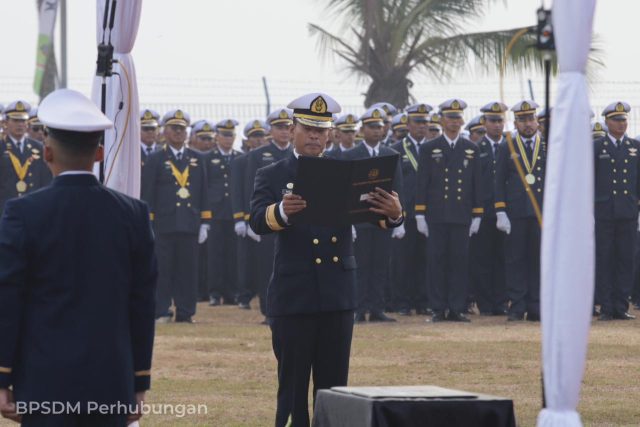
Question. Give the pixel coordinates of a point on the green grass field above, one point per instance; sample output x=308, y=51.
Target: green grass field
x=225, y=362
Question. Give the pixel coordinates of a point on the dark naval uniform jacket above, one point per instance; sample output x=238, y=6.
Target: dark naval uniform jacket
x=219, y=184
x=449, y=182
x=259, y=158
x=409, y=165
x=510, y=193
x=239, y=199
x=76, y=299
x=488, y=161
x=617, y=179
x=314, y=266
x=37, y=174
x=170, y=212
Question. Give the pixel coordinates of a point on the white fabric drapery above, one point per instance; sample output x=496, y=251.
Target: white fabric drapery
x=568, y=248
x=122, y=143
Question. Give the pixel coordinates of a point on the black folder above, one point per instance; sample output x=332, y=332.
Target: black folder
x=336, y=190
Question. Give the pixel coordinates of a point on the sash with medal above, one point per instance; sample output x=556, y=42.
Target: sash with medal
x=21, y=171
x=410, y=155
x=181, y=178
x=529, y=165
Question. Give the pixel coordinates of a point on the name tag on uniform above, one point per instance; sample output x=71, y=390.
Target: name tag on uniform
x=604, y=156
x=436, y=155
x=483, y=155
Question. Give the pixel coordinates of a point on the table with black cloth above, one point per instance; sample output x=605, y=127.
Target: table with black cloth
x=425, y=406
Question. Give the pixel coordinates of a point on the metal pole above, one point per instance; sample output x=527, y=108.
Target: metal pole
x=266, y=94
x=63, y=43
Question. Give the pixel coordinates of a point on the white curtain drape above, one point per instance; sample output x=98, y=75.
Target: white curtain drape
x=122, y=143
x=568, y=248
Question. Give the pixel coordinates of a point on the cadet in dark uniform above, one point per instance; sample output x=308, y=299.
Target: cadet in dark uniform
x=399, y=129
x=148, y=133
x=222, y=242
x=617, y=183
x=35, y=128
x=598, y=130
x=311, y=294
x=486, y=264
x=76, y=298
x=390, y=111
x=261, y=247
x=174, y=184
x=373, y=244
x=542, y=121
x=476, y=129
x=515, y=213
x=434, y=128
x=449, y=211
x=409, y=258
x=22, y=169
x=345, y=128
x=255, y=134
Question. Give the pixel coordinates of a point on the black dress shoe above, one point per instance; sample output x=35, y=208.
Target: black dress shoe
x=457, y=317
x=380, y=317
x=244, y=305
x=424, y=312
x=636, y=305
x=359, y=317
x=214, y=301
x=499, y=312
x=437, y=317
x=515, y=317
x=404, y=312
x=623, y=316
x=180, y=319
x=605, y=317
x=533, y=317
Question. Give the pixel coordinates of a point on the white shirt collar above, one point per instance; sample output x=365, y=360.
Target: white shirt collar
x=145, y=146
x=613, y=138
x=19, y=140
x=416, y=143
x=175, y=152
x=494, y=142
x=280, y=148
x=75, y=173
x=343, y=148
x=371, y=149
x=227, y=153
x=451, y=141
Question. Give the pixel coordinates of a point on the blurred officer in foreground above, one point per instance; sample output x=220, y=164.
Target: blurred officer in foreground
x=617, y=183
x=255, y=133
x=311, y=294
x=35, y=128
x=449, y=211
x=174, y=184
x=409, y=258
x=373, y=244
x=22, y=169
x=515, y=214
x=76, y=299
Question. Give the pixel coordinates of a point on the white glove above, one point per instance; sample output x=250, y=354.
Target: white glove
x=354, y=235
x=398, y=232
x=503, y=223
x=203, y=234
x=241, y=228
x=421, y=223
x=253, y=235
x=475, y=226
x=638, y=222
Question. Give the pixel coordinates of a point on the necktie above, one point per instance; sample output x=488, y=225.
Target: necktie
x=618, y=143
x=529, y=150
x=495, y=149
x=453, y=145
x=148, y=150
x=179, y=155
x=19, y=145
x=375, y=153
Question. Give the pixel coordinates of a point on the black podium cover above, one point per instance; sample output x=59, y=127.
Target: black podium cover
x=336, y=190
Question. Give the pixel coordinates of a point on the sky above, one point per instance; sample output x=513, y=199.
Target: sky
x=243, y=40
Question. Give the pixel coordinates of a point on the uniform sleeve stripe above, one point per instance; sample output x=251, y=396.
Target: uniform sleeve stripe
x=478, y=210
x=247, y=217
x=152, y=216
x=421, y=208
x=238, y=215
x=206, y=215
x=499, y=205
x=270, y=217
x=143, y=373
x=4, y=370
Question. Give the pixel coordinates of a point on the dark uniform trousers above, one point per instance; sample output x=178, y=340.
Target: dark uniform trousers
x=203, y=270
x=617, y=187
x=176, y=223
x=65, y=420
x=635, y=293
x=486, y=250
x=222, y=239
x=522, y=244
x=409, y=255
x=373, y=245
x=310, y=298
x=449, y=195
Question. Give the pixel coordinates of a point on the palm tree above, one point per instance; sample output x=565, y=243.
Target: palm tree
x=388, y=41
